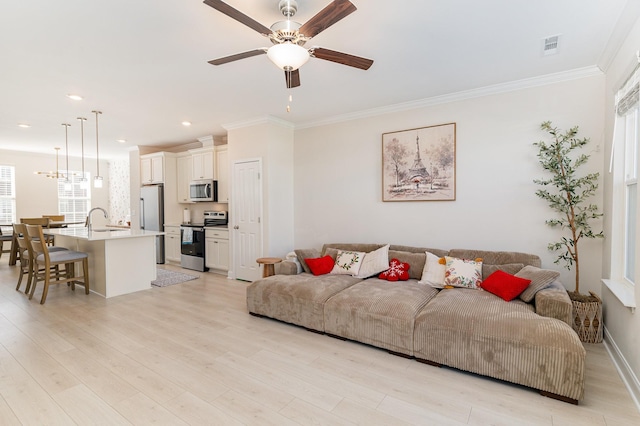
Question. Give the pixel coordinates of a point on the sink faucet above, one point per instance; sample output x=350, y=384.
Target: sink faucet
x=106, y=216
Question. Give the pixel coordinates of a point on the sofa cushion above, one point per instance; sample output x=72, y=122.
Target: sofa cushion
x=554, y=302
x=497, y=257
x=374, y=262
x=509, y=268
x=478, y=332
x=410, y=249
x=304, y=254
x=378, y=312
x=463, y=272
x=416, y=261
x=398, y=271
x=504, y=285
x=320, y=265
x=434, y=271
x=351, y=247
x=297, y=299
x=540, y=279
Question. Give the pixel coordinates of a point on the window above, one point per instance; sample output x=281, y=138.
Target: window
x=74, y=198
x=624, y=164
x=7, y=194
x=631, y=193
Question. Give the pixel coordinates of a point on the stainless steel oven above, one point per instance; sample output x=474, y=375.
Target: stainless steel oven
x=192, y=247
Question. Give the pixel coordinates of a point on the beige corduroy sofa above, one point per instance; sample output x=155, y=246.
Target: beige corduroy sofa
x=531, y=344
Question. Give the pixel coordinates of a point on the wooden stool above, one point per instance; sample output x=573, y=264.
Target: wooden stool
x=268, y=263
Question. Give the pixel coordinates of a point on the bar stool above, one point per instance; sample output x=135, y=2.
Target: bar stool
x=26, y=253
x=45, y=259
x=42, y=221
x=23, y=252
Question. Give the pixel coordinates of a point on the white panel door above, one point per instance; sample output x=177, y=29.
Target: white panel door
x=247, y=215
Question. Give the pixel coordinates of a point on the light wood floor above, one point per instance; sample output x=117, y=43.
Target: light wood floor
x=191, y=354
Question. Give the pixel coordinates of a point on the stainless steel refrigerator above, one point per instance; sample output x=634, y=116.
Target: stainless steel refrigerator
x=152, y=215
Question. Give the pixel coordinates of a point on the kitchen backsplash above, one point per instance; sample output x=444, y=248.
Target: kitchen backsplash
x=119, y=192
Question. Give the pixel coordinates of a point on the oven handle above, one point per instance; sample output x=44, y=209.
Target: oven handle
x=194, y=228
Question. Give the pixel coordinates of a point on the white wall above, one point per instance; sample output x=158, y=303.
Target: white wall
x=37, y=195
x=338, y=167
x=622, y=326
x=272, y=141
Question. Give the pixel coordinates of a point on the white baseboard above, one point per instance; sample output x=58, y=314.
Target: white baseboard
x=627, y=375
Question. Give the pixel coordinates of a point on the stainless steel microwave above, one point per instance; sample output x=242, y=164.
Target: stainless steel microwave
x=203, y=190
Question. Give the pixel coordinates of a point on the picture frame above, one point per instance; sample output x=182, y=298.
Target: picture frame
x=419, y=164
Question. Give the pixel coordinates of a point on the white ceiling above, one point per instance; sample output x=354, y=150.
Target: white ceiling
x=144, y=62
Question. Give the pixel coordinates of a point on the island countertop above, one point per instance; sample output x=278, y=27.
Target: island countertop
x=101, y=234
x=121, y=261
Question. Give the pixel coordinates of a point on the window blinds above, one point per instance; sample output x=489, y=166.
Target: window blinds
x=626, y=99
x=7, y=194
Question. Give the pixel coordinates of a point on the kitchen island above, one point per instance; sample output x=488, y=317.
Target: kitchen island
x=121, y=261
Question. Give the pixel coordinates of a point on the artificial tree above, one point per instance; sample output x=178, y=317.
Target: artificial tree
x=567, y=194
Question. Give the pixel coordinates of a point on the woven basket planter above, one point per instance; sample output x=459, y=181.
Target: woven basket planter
x=587, y=318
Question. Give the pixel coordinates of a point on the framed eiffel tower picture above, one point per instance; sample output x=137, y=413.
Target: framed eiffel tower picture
x=419, y=164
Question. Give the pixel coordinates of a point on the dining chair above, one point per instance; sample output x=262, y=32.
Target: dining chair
x=54, y=217
x=26, y=255
x=5, y=239
x=45, y=260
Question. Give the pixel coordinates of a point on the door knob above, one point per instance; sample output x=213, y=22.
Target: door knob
x=236, y=227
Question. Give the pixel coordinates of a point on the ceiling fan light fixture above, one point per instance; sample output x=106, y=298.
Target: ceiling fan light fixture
x=288, y=56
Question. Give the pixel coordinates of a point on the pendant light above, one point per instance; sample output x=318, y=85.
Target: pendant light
x=67, y=181
x=57, y=174
x=83, y=179
x=51, y=174
x=97, y=181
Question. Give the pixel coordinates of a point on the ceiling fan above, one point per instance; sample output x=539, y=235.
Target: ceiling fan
x=288, y=38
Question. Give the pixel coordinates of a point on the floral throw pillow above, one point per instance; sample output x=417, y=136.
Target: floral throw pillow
x=463, y=272
x=398, y=271
x=348, y=262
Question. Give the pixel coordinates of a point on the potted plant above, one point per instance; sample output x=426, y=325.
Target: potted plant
x=567, y=194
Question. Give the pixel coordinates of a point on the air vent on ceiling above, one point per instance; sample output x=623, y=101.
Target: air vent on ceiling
x=550, y=45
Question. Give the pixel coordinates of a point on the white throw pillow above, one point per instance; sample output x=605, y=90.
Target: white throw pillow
x=433, y=271
x=374, y=262
x=348, y=262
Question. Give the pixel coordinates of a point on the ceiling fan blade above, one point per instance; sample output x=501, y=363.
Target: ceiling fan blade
x=237, y=56
x=292, y=78
x=221, y=6
x=328, y=16
x=341, y=58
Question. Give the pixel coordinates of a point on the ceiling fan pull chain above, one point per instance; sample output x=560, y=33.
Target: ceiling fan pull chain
x=289, y=90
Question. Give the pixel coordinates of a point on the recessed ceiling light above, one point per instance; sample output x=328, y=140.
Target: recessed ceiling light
x=74, y=97
x=24, y=125
x=121, y=140
x=186, y=123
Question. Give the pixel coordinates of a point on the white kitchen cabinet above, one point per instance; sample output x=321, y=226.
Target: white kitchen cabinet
x=183, y=177
x=202, y=163
x=222, y=173
x=152, y=168
x=216, y=249
x=172, y=243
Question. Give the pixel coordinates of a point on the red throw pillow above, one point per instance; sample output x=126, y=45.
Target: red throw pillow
x=320, y=265
x=398, y=271
x=505, y=285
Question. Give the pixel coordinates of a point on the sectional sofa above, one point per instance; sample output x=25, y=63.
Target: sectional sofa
x=531, y=344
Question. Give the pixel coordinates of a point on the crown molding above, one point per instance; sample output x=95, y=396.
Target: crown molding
x=267, y=119
x=511, y=86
